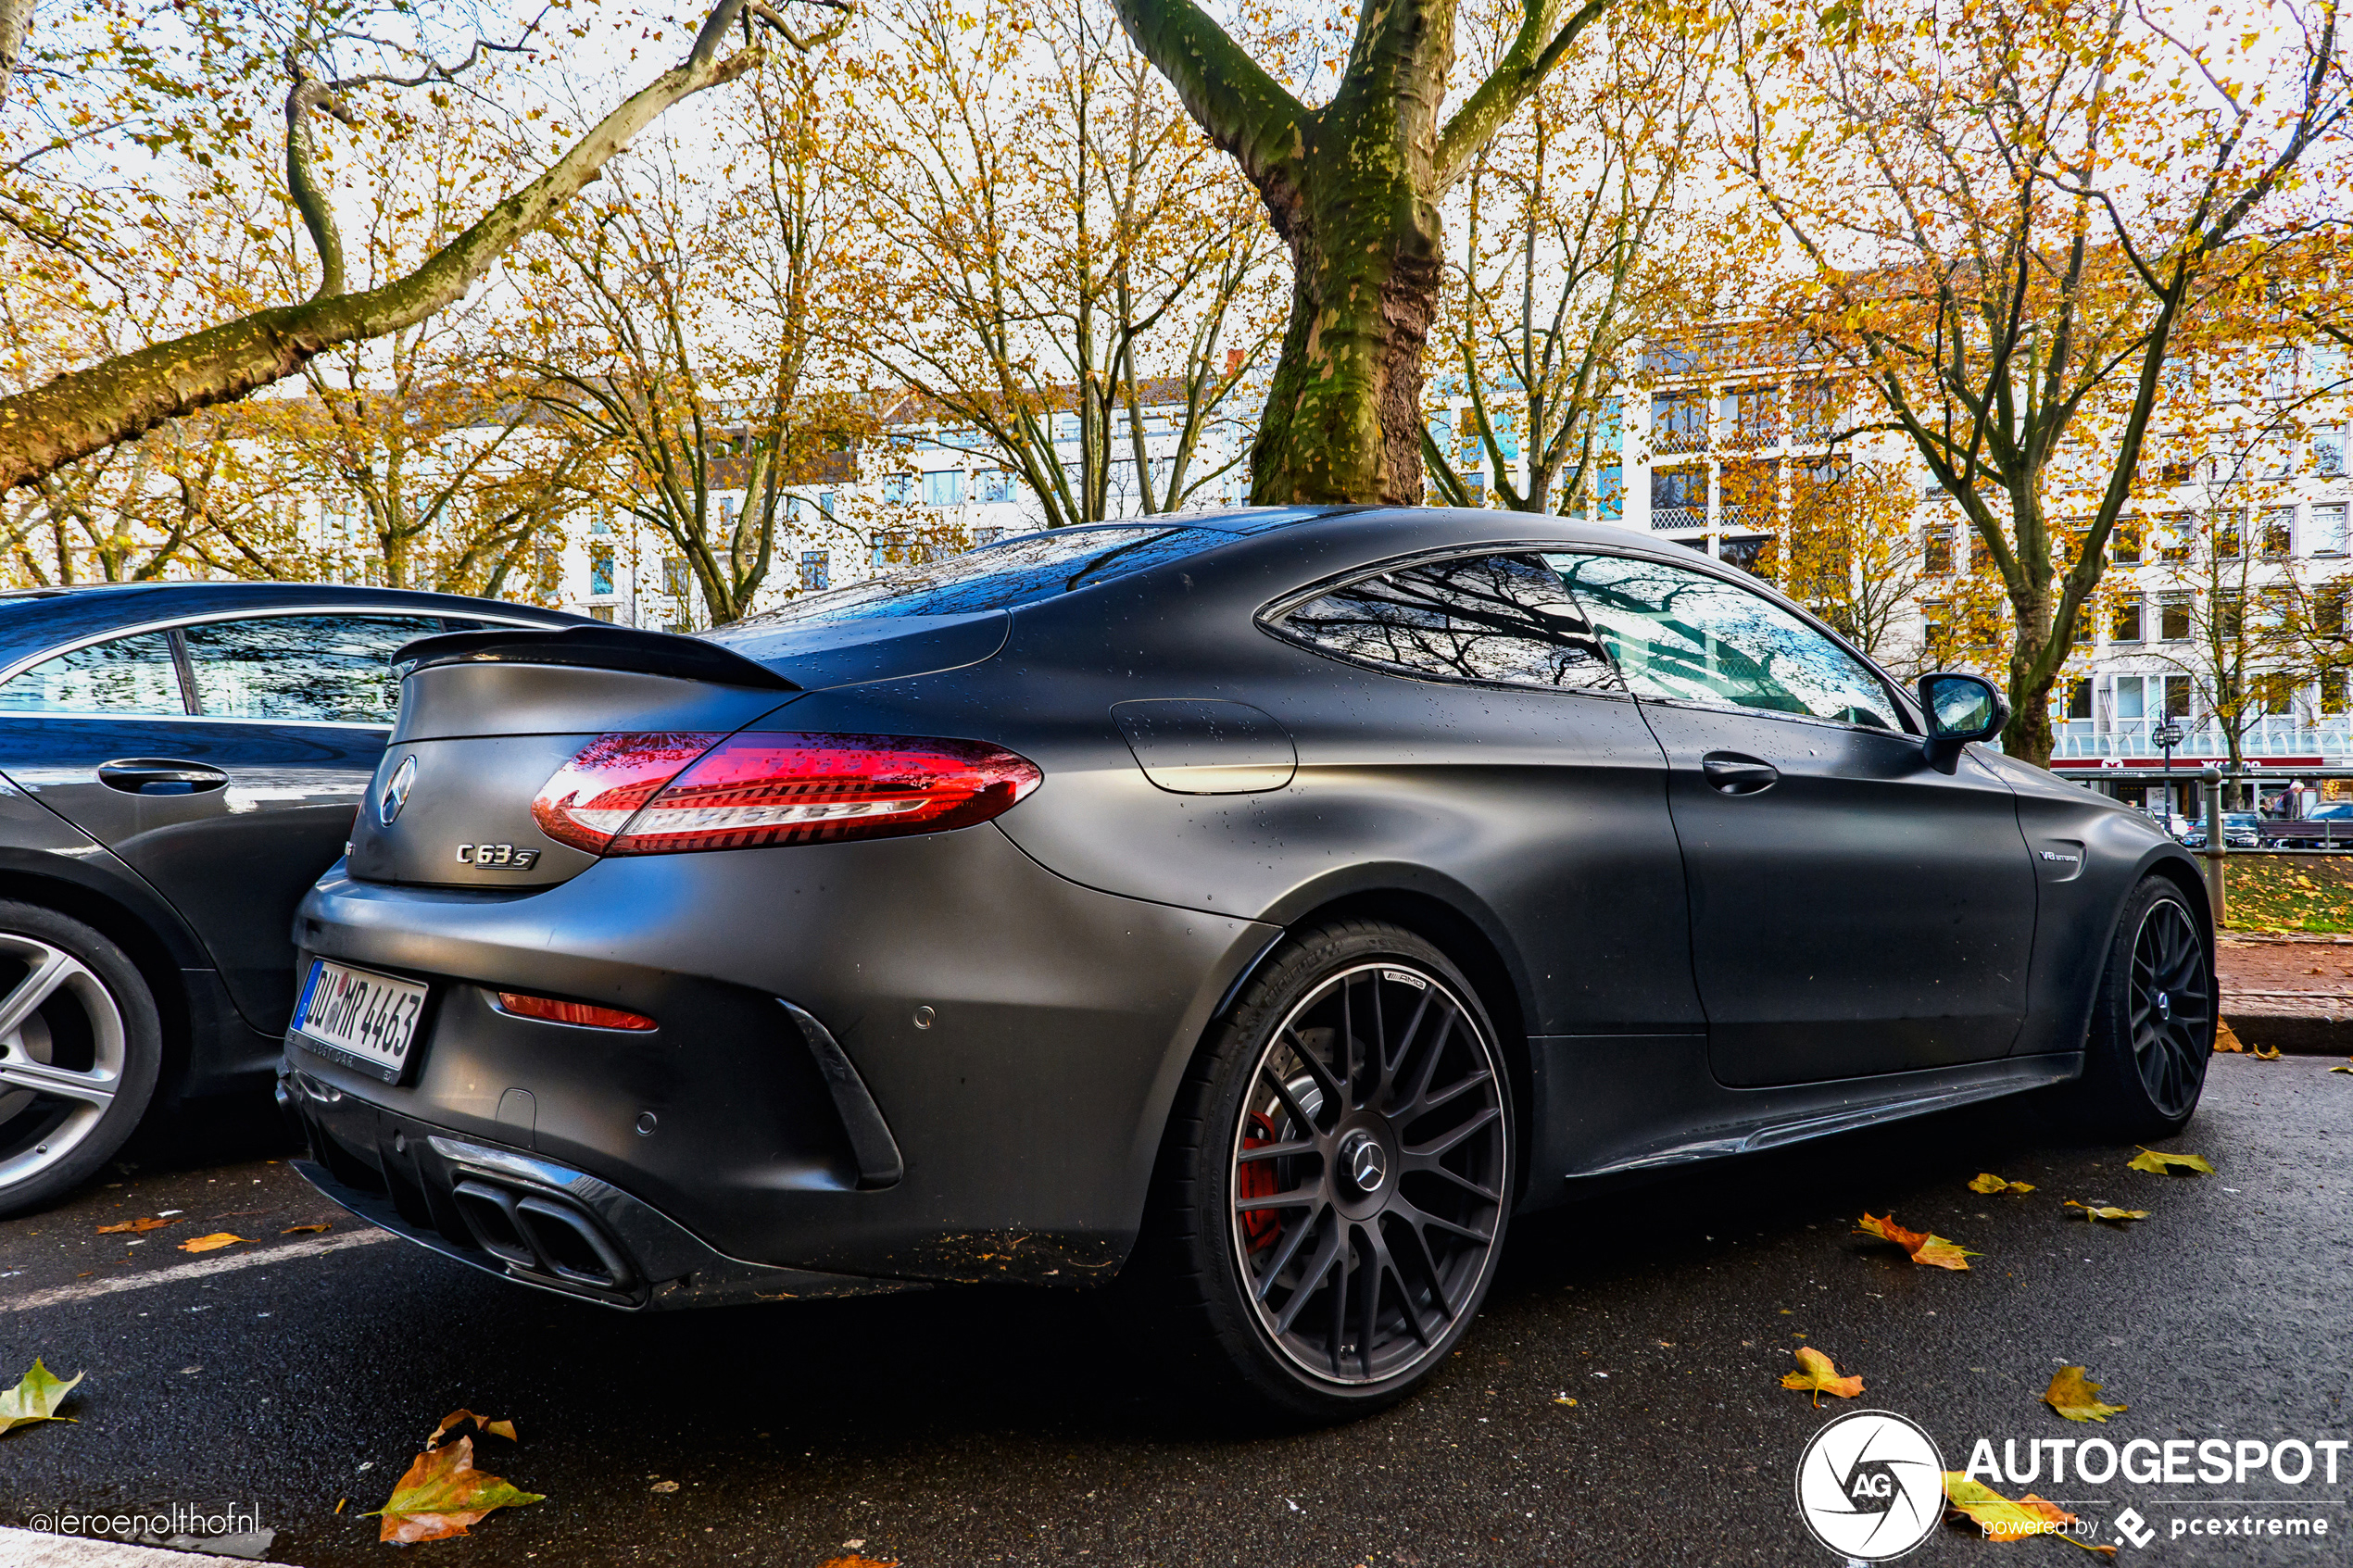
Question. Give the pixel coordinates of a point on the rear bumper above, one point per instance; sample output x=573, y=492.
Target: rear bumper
x=523, y=1218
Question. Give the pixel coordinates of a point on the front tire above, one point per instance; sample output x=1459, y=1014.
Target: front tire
x=81, y=1048
x=1336, y=1181
x=2153, y=1024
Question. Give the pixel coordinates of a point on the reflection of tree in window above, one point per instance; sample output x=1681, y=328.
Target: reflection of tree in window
x=329, y=668
x=1695, y=638
x=126, y=675
x=1490, y=618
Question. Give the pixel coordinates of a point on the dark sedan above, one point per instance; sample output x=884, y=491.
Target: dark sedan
x=1264, y=906
x=178, y=764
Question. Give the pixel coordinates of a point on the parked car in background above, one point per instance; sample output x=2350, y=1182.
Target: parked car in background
x=178, y=764
x=2241, y=830
x=2326, y=827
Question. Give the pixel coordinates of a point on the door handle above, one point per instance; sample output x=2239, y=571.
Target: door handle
x=1732, y=773
x=159, y=775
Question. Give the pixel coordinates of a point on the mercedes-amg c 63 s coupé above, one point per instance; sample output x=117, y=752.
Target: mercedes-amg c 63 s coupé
x=1267, y=906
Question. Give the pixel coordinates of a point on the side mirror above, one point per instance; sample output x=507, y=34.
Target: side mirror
x=1960, y=708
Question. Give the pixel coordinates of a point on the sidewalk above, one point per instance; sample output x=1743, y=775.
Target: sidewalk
x=2288, y=993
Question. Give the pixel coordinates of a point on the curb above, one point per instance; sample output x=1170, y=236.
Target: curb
x=31, y=1549
x=2294, y=1034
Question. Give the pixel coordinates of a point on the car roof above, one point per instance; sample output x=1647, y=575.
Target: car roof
x=33, y=619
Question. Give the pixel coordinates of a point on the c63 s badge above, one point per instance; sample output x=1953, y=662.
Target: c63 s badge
x=496, y=857
x=1870, y=1486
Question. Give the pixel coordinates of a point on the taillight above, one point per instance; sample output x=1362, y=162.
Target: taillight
x=660, y=794
x=551, y=1010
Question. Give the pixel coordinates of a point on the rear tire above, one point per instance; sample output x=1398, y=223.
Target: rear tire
x=1336, y=1180
x=2153, y=1024
x=81, y=1048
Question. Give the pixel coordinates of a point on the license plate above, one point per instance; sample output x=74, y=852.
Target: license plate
x=359, y=1017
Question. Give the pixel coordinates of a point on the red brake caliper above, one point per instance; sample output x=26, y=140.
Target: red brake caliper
x=1256, y=1179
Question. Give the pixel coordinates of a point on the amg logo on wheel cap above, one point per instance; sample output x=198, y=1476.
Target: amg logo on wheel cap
x=396, y=790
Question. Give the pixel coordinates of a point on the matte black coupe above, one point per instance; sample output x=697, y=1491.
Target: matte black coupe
x=1269, y=904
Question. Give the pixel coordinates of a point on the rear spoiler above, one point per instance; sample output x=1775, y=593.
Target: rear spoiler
x=595, y=647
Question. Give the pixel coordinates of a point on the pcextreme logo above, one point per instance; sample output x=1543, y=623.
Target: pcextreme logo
x=1870, y=1486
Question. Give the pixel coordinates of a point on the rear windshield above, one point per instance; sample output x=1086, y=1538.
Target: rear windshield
x=1001, y=576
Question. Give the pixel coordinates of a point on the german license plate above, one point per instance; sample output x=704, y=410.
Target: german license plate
x=364, y=1019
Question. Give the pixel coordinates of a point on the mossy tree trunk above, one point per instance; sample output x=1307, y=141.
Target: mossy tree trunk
x=1354, y=189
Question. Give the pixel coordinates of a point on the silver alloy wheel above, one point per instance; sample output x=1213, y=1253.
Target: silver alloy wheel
x=62, y=1053
x=1368, y=1174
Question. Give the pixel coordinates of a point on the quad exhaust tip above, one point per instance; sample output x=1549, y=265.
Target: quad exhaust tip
x=543, y=1234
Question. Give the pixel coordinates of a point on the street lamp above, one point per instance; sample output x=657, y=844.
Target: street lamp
x=2168, y=736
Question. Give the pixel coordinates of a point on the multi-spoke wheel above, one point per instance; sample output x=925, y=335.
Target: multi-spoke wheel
x=79, y=1053
x=2153, y=1027
x=1340, y=1172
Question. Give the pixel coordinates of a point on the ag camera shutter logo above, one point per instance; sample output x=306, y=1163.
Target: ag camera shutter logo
x=1870, y=1486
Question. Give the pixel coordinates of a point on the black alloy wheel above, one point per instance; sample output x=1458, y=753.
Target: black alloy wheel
x=1341, y=1201
x=2152, y=1030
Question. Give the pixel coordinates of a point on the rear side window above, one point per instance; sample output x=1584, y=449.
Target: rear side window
x=128, y=675
x=322, y=668
x=1499, y=619
x=1001, y=576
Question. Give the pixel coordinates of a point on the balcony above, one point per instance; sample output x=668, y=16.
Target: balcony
x=1667, y=520
x=2280, y=735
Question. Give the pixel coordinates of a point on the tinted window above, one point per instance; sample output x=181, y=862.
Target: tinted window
x=127, y=675
x=334, y=668
x=1001, y=576
x=1696, y=638
x=1485, y=618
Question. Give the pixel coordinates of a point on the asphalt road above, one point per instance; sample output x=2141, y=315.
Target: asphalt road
x=978, y=1426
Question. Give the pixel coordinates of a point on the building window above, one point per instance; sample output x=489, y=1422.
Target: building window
x=2333, y=692
x=1678, y=422
x=1753, y=555
x=2177, y=697
x=899, y=489
x=2173, y=619
x=1751, y=494
x=602, y=524
x=2328, y=453
x=2328, y=609
x=1609, y=493
x=674, y=576
x=1811, y=405
x=2278, y=539
x=2173, y=536
x=1752, y=416
x=826, y=503
x=2230, y=615
x=599, y=572
x=727, y=513
x=1679, y=497
x=816, y=569
x=2273, y=693
x=2126, y=626
x=600, y=612
x=2327, y=534
x=2128, y=699
x=1936, y=553
x=2124, y=543
x=943, y=487
x=2078, y=699
x=2230, y=532
x=993, y=484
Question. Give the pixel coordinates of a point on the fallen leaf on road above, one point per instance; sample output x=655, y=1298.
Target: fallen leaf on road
x=663, y=1487
x=2075, y=1398
x=132, y=1227
x=1986, y=1181
x=302, y=1230
x=442, y=1494
x=2265, y=1053
x=2102, y=1212
x=1821, y=1376
x=2161, y=1164
x=2226, y=1038
x=2343, y=1067
x=35, y=1397
x=857, y=1562
x=496, y=1428
x=212, y=1242
x=2003, y=1520
x=1934, y=1251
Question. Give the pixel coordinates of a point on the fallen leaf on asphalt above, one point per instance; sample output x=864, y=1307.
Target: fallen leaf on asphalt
x=1986, y=1181
x=35, y=1397
x=857, y=1562
x=442, y=1494
x=2343, y=1067
x=663, y=1487
x=212, y=1242
x=1819, y=1377
x=2226, y=1038
x=2076, y=1400
x=2102, y=1212
x=2265, y=1053
x=302, y=1230
x=1933, y=1251
x=2003, y=1520
x=132, y=1227
x=496, y=1428
x=2162, y=1164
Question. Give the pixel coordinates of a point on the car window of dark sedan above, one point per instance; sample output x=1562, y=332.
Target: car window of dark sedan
x=1001, y=576
x=1501, y=619
x=1690, y=637
x=128, y=675
x=335, y=669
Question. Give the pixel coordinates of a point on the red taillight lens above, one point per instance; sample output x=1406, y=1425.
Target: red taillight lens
x=549, y=1010
x=773, y=788
x=593, y=796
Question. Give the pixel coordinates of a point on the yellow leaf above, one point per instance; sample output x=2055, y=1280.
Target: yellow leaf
x=1986, y=1181
x=1819, y=1377
x=302, y=1230
x=496, y=1428
x=1931, y=1251
x=35, y=1397
x=2162, y=1164
x=2226, y=1038
x=2077, y=1400
x=2003, y=1520
x=2265, y=1053
x=138, y=1228
x=212, y=1242
x=2101, y=1211
x=442, y=1494
x=2343, y=1067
